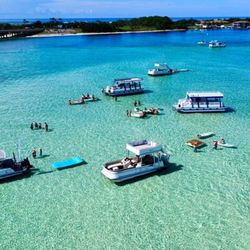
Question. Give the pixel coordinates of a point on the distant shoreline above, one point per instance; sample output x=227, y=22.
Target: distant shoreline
x=103, y=33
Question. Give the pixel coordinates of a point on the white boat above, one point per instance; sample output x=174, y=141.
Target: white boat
x=201, y=43
x=138, y=114
x=216, y=44
x=148, y=111
x=205, y=135
x=202, y=102
x=126, y=86
x=148, y=157
x=83, y=100
x=226, y=145
x=161, y=70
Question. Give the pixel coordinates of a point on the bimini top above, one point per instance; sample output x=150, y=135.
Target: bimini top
x=205, y=94
x=128, y=80
x=143, y=147
x=162, y=65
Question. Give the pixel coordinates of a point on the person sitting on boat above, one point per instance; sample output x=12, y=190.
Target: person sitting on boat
x=40, y=125
x=87, y=95
x=93, y=97
x=222, y=141
x=82, y=99
x=125, y=160
x=135, y=160
x=215, y=144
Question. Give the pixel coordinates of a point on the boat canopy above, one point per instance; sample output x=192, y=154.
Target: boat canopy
x=2, y=154
x=205, y=94
x=143, y=147
x=162, y=65
x=128, y=80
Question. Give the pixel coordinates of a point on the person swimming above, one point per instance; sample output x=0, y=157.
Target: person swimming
x=222, y=141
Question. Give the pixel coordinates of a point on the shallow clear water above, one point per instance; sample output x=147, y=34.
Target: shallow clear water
x=201, y=202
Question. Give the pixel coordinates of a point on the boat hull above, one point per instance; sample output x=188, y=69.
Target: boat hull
x=160, y=74
x=200, y=110
x=8, y=173
x=124, y=93
x=226, y=145
x=131, y=173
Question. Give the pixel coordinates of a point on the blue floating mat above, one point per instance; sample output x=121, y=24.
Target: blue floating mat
x=68, y=163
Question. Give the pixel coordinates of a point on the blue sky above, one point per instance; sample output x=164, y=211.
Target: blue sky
x=122, y=8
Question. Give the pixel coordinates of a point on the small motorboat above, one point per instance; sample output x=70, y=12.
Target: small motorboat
x=205, y=135
x=195, y=143
x=75, y=102
x=152, y=111
x=201, y=43
x=87, y=98
x=164, y=70
x=226, y=145
x=138, y=114
x=216, y=44
x=10, y=167
x=68, y=163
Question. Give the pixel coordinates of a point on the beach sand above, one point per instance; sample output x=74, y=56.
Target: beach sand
x=104, y=33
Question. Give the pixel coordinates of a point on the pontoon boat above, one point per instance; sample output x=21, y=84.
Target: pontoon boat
x=148, y=157
x=126, y=86
x=201, y=102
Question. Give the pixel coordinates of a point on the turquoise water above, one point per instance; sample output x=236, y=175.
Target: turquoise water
x=201, y=202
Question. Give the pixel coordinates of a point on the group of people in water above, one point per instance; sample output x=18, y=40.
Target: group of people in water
x=137, y=103
x=34, y=155
x=92, y=97
x=35, y=125
x=215, y=143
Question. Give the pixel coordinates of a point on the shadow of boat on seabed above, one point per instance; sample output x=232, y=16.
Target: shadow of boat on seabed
x=170, y=168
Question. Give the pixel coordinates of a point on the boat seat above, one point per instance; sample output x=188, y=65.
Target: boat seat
x=114, y=165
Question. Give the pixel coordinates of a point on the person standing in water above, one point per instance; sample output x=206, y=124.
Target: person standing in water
x=31, y=126
x=46, y=127
x=34, y=153
x=40, y=152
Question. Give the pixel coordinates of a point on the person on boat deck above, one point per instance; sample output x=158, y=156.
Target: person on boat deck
x=36, y=125
x=82, y=99
x=222, y=141
x=40, y=125
x=34, y=153
x=215, y=143
x=87, y=95
x=93, y=97
x=135, y=103
x=31, y=126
